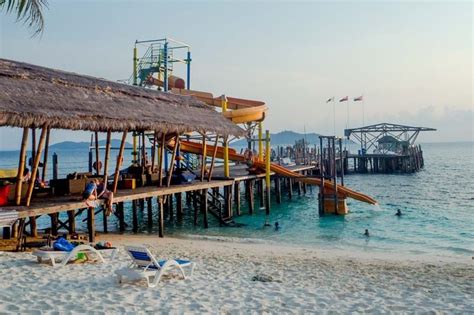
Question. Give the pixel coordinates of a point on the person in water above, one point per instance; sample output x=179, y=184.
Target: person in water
x=399, y=213
x=366, y=233
x=277, y=226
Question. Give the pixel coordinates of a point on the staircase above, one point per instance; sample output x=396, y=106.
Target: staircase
x=215, y=206
x=151, y=62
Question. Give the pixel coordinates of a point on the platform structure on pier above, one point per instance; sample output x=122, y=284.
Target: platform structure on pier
x=386, y=148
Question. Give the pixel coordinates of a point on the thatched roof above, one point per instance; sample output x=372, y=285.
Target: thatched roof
x=32, y=96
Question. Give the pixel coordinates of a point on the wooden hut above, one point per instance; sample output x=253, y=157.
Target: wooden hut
x=34, y=97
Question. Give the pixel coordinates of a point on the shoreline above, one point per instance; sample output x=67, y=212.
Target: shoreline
x=304, y=281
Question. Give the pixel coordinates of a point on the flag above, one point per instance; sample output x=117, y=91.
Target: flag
x=360, y=98
x=344, y=99
x=330, y=100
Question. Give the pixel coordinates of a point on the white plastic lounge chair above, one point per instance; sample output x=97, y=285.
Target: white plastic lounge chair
x=145, y=266
x=65, y=257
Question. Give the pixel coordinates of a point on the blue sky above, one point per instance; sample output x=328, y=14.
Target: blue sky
x=412, y=61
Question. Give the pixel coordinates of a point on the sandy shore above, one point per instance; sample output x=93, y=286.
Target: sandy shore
x=306, y=281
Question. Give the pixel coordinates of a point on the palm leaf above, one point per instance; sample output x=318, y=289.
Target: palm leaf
x=28, y=11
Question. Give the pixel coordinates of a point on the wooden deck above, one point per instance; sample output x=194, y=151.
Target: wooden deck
x=48, y=205
x=240, y=172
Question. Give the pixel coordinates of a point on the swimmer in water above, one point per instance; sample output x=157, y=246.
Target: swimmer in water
x=366, y=233
x=277, y=226
x=399, y=213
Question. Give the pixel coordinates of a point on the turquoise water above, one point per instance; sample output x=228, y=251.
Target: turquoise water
x=438, y=207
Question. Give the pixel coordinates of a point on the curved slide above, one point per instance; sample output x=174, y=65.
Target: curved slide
x=196, y=148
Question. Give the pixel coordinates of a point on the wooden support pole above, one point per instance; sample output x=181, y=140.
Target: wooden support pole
x=237, y=197
x=173, y=161
x=228, y=201
x=204, y=157
x=278, y=189
x=91, y=224
x=104, y=220
x=290, y=188
x=21, y=167
x=134, y=217
x=250, y=196
x=34, y=172
x=195, y=207
x=55, y=166
x=214, y=153
x=107, y=157
x=149, y=204
x=267, y=172
x=97, y=156
x=121, y=215
x=169, y=201
x=143, y=150
x=33, y=146
x=45, y=155
x=204, y=207
x=226, y=157
x=299, y=188
x=161, y=225
x=72, y=221
x=54, y=223
x=260, y=192
x=153, y=151
x=119, y=161
x=33, y=227
x=162, y=156
x=179, y=206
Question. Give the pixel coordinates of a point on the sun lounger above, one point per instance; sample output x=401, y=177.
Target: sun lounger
x=146, y=266
x=66, y=257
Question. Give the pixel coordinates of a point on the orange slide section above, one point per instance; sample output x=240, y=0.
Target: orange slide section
x=196, y=148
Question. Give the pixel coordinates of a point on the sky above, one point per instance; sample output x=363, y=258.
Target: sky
x=411, y=61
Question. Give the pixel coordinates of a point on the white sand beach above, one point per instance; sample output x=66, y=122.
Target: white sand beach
x=305, y=281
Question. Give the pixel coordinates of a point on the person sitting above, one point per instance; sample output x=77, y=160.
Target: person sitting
x=107, y=195
x=90, y=192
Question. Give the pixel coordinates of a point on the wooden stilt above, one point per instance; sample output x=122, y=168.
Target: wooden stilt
x=153, y=151
x=169, y=201
x=134, y=216
x=104, y=220
x=119, y=161
x=204, y=207
x=237, y=197
x=107, y=157
x=91, y=224
x=161, y=226
x=195, y=207
x=250, y=195
x=143, y=151
x=179, y=206
x=121, y=215
x=228, y=201
x=33, y=227
x=290, y=188
x=203, y=157
x=278, y=189
x=54, y=223
x=260, y=192
x=34, y=172
x=21, y=167
x=72, y=221
x=149, y=204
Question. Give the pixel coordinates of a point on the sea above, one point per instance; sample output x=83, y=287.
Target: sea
x=437, y=204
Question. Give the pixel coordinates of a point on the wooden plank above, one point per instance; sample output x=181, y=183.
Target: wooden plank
x=21, y=167
x=162, y=156
x=203, y=156
x=45, y=156
x=97, y=156
x=107, y=157
x=119, y=161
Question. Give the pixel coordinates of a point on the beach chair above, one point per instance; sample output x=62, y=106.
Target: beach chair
x=146, y=266
x=66, y=257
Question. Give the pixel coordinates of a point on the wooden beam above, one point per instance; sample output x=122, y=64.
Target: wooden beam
x=173, y=158
x=121, y=215
x=214, y=153
x=179, y=206
x=162, y=156
x=107, y=157
x=161, y=226
x=21, y=167
x=34, y=172
x=237, y=197
x=143, y=151
x=97, y=156
x=72, y=221
x=149, y=204
x=104, y=219
x=45, y=156
x=153, y=152
x=204, y=207
x=33, y=146
x=54, y=223
x=134, y=216
x=204, y=157
x=119, y=161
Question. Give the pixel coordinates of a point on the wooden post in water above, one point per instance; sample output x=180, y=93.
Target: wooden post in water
x=149, y=204
x=214, y=153
x=107, y=156
x=104, y=219
x=290, y=188
x=21, y=167
x=278, y=189
x=91, y=224
x=71, y=215
x=162, y=156
x=55, y=166
x=97, y=156
x=204, y=207
x=119, y=161
x=134, y=217
x=237, y=197
x=161, y=226
x=250, y=195
x=179, y=206
x=334, y=171
x=121, y=214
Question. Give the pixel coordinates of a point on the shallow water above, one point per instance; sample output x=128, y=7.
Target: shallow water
x=437, y=205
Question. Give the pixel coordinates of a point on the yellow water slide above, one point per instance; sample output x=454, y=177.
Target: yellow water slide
x=196, y=148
